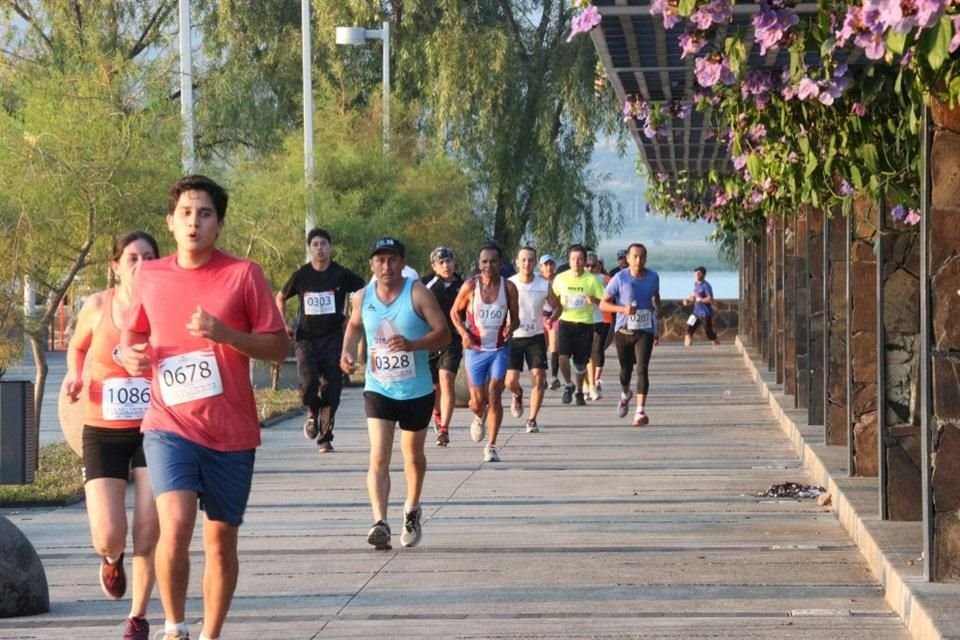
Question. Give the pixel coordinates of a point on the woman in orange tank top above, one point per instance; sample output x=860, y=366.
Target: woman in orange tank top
x=114, y=404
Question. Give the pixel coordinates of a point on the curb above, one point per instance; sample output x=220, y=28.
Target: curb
x=855, y=503
x=275, y=420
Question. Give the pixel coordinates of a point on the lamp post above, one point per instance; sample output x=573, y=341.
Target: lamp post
x=308, y=166
x=358, y=36
x=186, y=87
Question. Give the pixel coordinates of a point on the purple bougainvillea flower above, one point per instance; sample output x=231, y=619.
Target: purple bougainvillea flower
x=858, y=109
x=670, y=13
x=584, y=21
x=912, y=217
x=807, y=88
x=898, y=213
x=691, y=42
x=929, y=12
x=712, y=69
x=845, y=188
x=770, y=26
x=955, y=41
x=715, y=12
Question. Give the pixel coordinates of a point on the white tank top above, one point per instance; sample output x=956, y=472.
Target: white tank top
x=532, y=298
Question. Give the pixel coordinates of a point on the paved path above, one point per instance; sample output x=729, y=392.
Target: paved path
x=591, y=528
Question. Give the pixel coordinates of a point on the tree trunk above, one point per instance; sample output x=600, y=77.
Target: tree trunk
x=40, y=368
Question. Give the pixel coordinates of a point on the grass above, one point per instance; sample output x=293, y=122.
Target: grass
x=57, y=481
x=275, y=403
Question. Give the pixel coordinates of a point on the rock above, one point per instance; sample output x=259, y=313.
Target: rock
x=945, y=304
x=946, y=381
x=23, y=582
x=865, y=446
x=946, y=470
x=946, y=240
x=901, y=303
x=946, y=542
x=904, y=492
x=864, y=353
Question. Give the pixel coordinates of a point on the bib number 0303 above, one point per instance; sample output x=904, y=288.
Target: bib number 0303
x=125, y=398
x=189, y=376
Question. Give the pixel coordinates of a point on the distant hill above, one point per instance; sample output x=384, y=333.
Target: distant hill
x=684, y=242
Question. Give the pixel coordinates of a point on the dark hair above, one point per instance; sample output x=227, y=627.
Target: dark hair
x=317, y=231
x=122, y=241
x=491, y=246
x=639, y=246
x=702, y=270
x=578, y=248
x=527, y=247
x=198, y=183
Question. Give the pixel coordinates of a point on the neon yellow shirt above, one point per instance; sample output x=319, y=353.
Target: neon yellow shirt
x=573, y=292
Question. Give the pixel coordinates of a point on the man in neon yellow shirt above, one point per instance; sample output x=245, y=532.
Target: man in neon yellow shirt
x=578, y=291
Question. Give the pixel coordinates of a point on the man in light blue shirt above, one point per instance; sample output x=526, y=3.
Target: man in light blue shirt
x=702, y=300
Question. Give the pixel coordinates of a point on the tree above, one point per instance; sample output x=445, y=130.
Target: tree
x=88, y=142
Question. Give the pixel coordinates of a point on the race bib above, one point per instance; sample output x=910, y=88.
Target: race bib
x=392, y=366
x=490, y=317
x=640, y=320
x=189, y=376
x=528, y=327
x=125, y=398
x=692, y=320
x=319, y=303
x=575, y=301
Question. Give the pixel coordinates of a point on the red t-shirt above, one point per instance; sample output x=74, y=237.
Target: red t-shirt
x=201, y=390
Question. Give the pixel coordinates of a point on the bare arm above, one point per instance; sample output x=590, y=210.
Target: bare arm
x=133, y=352
x=460, y=309
x=426, y=305
x=607, y=305
x=282, y=307
x=354, y=331
x=87, y=319
x=513, y=306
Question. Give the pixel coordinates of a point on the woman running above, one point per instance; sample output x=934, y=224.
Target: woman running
x=114, y=404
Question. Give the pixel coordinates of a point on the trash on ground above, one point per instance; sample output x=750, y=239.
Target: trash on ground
x=791, y=490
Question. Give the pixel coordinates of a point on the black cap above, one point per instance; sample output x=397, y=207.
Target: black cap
x=622, y=253
x=702, y=270
x=388, y=245
x=441, y=253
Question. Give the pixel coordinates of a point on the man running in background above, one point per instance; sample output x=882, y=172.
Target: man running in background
x=528, y=343
x=321, y=287
x=485, y=316
x=548, y=270
x=445, y=284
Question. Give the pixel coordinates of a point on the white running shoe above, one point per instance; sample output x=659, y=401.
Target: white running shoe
x=490, y=454
x=595, y=394
x=412, y=531
x=478, y=430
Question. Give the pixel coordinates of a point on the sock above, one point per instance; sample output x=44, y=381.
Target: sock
x=640, y=409
x=408, y=509
x=203, y=637
x=625, y=395
x=176, y=628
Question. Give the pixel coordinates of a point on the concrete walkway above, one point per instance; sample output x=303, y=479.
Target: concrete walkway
x=590, y=528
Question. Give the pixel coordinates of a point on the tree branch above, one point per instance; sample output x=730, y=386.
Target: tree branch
x=29, y=20
x=512, y=22
x=142, y=43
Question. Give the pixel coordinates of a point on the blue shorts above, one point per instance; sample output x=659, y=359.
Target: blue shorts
x=481, y=366
x=221, y=479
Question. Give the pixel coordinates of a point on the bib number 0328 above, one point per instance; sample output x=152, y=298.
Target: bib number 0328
x=189, y=376
x=391, y=366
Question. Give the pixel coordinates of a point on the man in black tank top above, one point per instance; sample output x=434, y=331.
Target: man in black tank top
x=445, y=284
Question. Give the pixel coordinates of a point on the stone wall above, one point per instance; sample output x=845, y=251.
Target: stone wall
x=725, y=320
x=836, y=313
x=863, y=337
x=944, y=256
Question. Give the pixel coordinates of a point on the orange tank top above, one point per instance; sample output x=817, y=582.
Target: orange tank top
x=113, y=398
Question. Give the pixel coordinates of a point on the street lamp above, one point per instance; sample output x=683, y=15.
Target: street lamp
x=358, y=36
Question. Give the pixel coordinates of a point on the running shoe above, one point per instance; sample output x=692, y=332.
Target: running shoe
x=623, y=406
x=325, y=447
x=477, y=429
x=516, y=407
x=379, y=536
x=437, y=421
x=599, y=386
x=136, y=628
x=172, y=636
x=412, y=532
x=113, y=580
x=595, y=394
x=640, y=418
x=490, y=454
x=443, y=437
x=532, y=426
x=311, y=428
x=567, y=394
x=581, y=401
x=554, y=384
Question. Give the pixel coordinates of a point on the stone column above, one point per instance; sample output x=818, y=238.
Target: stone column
x=801, y=311
x=773, y=242
x=863, y=325
x=899, y=387
x=944, y=283
x=789, y=319
x=779, y=241
x=835, y=428
x=815, y=223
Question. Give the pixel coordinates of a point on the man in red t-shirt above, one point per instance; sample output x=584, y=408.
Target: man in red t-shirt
x=195, y=321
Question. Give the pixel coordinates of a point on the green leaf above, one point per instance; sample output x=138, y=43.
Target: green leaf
x=869, y=153
x=686, y=7
x=804, y=144
x=896, y=41
x=755, y=166
x=856, y=177
x=935, y=42
x=811, y=165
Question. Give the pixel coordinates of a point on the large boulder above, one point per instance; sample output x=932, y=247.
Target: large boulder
x=23, y=582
